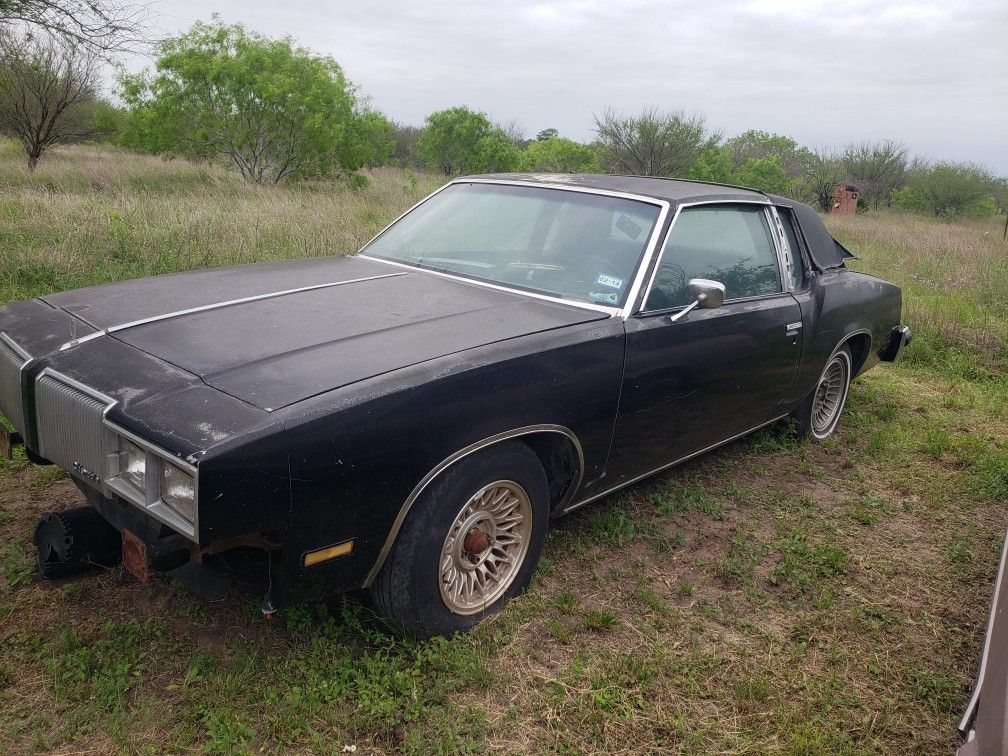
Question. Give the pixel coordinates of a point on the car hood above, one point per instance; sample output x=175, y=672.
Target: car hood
x=275, y=334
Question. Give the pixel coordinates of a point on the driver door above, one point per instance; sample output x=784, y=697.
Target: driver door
x=716, y=373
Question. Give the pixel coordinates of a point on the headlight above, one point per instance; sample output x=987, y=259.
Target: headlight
x=178, y=491
x=133, y=464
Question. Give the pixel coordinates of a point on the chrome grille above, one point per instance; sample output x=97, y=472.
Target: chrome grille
x=11, y=401
x=70, y=431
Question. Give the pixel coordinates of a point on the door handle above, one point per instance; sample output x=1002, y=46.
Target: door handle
x=793, y=328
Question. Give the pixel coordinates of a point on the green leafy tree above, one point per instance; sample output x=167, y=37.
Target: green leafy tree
x=274, y=110
x=556, y=155
x=954, y=189
x=999, y=193
x=908, y=198
x=713, y=164
x=764, y=174
x=823, y=172
x=545, y=134
x=756, y=145
x=653, y=143
x=460, y=140
x=375, y=137
x=876, y=168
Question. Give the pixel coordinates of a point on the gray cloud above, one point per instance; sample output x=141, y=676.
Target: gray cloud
x=932, y=74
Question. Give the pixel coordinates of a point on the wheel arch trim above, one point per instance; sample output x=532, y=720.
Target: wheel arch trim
x=447, y=462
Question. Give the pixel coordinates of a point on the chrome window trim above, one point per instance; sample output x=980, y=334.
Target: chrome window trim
x=775, y=232
x=150, y=501
x=215, y=306
x=680, y=460
x=784, y=252
x=738, y=300
x=486, y=284
x=461, y=454
x=678, y=211
x=649, y=249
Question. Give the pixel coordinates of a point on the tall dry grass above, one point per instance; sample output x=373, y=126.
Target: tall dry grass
x=955, y=284
x=93, y=214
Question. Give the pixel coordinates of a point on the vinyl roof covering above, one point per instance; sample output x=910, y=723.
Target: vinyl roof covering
x=670, y=190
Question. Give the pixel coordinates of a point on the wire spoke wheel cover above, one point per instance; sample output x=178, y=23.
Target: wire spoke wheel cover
x=485, y=547
x=830, y=395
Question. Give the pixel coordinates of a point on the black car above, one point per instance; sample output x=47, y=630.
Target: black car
x=411, y=419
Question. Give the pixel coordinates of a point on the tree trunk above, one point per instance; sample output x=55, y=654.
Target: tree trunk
x=33, y=159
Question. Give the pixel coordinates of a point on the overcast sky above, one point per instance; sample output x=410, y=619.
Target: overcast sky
x=933, y=75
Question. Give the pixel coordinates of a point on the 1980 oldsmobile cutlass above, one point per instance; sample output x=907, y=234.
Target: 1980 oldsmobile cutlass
x=410, y=419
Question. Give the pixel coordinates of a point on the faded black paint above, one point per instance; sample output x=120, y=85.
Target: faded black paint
x=372, y=384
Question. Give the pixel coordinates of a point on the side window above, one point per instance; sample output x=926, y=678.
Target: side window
x=727, y=243
x=795, y=267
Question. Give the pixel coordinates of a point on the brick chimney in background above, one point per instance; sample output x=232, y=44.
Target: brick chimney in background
x=844, y=200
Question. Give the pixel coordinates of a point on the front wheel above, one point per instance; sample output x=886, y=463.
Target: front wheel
x=469, y=544
x=817, y=416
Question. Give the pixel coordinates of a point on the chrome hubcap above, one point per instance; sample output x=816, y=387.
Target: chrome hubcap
x=485, y=547
x=829, y=396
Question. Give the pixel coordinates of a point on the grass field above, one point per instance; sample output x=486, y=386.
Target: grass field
x=770, y=597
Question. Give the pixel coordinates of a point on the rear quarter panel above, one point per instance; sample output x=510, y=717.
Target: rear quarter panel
x=838, y=304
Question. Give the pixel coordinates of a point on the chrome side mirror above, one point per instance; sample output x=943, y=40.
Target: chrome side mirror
x=706, y=294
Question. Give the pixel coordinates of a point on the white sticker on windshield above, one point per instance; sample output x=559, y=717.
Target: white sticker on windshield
x=628, y=227
x=611, y=281
x=606, y=297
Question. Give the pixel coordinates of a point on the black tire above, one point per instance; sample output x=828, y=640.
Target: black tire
x=408, y=587
x=808, y=423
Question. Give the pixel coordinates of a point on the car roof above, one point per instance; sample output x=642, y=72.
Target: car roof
x=826, y=252
x=674, y=191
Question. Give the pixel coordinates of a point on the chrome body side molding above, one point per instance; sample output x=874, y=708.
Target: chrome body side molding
x=460, y=454
x=594, y=497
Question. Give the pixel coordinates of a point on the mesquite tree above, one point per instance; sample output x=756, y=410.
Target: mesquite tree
x=653, y=143
x=47, y=91
x=100, y=25
x=274, y=110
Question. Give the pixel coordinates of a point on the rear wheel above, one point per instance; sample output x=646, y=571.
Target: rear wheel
x=469, y=544
x=817, y=416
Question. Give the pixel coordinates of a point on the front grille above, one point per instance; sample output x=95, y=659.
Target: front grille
x=70, y=430
x=11, y=400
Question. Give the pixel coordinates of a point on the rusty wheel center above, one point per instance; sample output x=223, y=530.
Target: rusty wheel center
x=475, y=543
x=485, y=547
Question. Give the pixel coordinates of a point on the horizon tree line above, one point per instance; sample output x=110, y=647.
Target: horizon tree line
x=278, y=112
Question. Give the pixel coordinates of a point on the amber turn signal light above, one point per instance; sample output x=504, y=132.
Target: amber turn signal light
x=329, y=552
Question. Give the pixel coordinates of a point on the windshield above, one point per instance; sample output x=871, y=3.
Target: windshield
x=574, y=245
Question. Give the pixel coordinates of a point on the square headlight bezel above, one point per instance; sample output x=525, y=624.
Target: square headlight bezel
x=169, y=469
x=128, y=450
x=150, y=499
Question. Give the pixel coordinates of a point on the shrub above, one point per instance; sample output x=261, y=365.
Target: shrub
x=460, y=140
x=556, y=155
